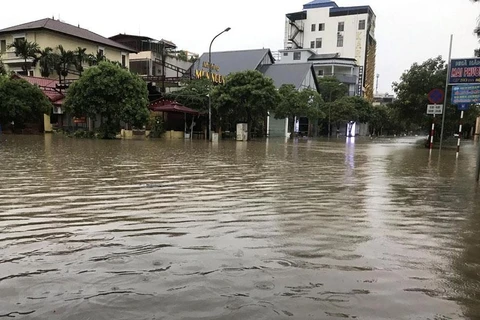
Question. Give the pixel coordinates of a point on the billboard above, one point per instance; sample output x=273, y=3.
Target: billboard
x=464, y=71
x=466, y=94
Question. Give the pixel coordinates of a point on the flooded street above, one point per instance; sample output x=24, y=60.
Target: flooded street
x=259, y=230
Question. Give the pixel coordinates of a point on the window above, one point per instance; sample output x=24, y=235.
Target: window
x=297, y=55
x=124, y=60
x=361, y=25
x=318, y=43
x=3, y=46
x=312, y=44
x=101, y=51
x=339, y=40
x=314, y=27
x=320, y=72
x=321, y=27
x=341, y=26
x=285, y=54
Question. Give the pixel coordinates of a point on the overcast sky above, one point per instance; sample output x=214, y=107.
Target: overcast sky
x=407, y=31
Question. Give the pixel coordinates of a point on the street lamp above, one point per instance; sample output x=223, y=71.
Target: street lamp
x=210, y=75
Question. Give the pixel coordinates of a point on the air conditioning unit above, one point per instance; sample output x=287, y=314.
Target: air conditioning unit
x=57, y=110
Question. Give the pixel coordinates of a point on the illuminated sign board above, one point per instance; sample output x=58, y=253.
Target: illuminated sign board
x=464, y=71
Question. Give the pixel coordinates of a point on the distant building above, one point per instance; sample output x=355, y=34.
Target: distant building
x=156, y=60
x=345, y=70
x=383, y=99
x=324, y=28
x=301, y=75
x=52, y=33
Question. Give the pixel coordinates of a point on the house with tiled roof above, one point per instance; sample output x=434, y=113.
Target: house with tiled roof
x=52, y=33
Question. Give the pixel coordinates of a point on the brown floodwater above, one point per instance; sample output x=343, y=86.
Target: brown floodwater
x=375, y=229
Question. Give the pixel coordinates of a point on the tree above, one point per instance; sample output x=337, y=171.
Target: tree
x=413, y=88
x=95, y=59
x=343, y=110
x=294, y=103
x=26, y=50
x=64, y=61
x=246, y=97
x=46, y=61
x=79, y=58
x=21, y=102
x=111, y=92
x=332, y=89
x=3, y=70
x=194, y=94
x=182, y=55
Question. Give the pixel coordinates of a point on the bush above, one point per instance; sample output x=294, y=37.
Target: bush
x=156, y=125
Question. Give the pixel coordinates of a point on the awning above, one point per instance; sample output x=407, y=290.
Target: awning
x=171, y=106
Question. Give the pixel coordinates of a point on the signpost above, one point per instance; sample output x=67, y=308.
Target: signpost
x=461, y=107
x=433, y=109
x=435, y=96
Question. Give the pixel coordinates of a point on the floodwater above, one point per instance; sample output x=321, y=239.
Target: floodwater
x=375, y=229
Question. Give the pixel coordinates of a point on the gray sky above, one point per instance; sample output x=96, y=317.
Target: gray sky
x=407, y=31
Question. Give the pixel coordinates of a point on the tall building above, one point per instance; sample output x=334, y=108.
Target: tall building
x=328, y=31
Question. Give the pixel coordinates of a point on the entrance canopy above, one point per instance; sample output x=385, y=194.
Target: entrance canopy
x=171, y=106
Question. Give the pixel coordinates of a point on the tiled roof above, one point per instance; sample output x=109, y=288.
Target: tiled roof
x=235, y=61
x=288, y=73
x=67, y=29
x=48, y=86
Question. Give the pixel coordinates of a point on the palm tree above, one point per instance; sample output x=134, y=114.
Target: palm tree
x=63, y=61
x=80, y=58
x=95, y=59
x=26, y=50
x=47, y=62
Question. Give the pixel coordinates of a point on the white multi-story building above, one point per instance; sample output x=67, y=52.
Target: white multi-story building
x=346, y=34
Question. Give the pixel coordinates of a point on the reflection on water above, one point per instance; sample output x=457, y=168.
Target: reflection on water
x=299, y=229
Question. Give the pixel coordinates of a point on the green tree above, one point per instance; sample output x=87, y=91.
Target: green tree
x=332, y=89
x=343, y=110
x=46, y=61
x=64, y=60
x=111, y=92
x=95, y=59
x=3, y=70
x=413, y=88
x=26, y=50
x=193, y=94
x=246, y=97
x=79, y=58
x=182, y=55
x=294, y=103
x=21, y=102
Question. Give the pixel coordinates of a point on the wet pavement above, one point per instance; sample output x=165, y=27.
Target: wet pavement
x=371, y=229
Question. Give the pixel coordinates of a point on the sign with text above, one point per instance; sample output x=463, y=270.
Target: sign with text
x=434, y=109
x=466, y=94
x=464, y=71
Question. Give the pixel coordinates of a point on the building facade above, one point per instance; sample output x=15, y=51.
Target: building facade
x=324, y=28
x=156, y=61
x=300, y=75
x=52, y=33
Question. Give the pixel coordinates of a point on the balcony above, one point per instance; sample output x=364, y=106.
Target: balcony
x=342, y=77
x=346, y=78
